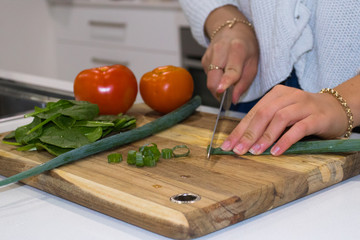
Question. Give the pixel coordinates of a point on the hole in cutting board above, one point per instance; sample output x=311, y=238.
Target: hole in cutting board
x=184, y=198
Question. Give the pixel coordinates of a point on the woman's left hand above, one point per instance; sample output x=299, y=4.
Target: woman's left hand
x=284, y=108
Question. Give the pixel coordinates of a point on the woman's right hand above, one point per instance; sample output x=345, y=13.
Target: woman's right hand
x=236, y=50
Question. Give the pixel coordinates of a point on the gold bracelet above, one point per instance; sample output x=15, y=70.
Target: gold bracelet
x=230, y=23
x=346, y=108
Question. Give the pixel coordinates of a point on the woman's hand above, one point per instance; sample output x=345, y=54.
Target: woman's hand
x=284, y=108
x=235, y=50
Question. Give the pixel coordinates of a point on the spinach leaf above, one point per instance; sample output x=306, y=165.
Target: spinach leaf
x=65, y=138
x=91, y=133
x=22, y=133
x=64, y=122
x=10, y=135
x=51, y=109
x=108, y=118
x=82, y=111
x=54, y=150
x=93, y=124
x=29, y=147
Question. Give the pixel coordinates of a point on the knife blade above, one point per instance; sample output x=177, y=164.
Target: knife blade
x=217, y=121
x=228, y=98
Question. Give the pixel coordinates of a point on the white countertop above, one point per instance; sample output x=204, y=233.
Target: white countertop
x=28, y=213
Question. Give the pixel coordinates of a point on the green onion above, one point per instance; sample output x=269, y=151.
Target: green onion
x=181, y=154
x=114, y=158
x=149, y=161
x=309, y=147
x=116, y=140
x=166, y=153
x=139, y=159
x=150, y=150
x=131, y=157
x=141, y=149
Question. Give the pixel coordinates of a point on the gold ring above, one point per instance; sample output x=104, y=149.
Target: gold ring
x=214, y=67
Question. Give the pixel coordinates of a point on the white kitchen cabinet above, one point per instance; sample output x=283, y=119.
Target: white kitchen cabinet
x=140, y=36
x=27, y=42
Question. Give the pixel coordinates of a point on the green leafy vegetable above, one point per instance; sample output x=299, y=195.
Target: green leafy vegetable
x=22, y=134
x=64, y=122
x=64, y=138
x=92, y=133
x=65, y=125
x=10, y=135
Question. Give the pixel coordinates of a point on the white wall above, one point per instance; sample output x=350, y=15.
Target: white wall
x=26, y=37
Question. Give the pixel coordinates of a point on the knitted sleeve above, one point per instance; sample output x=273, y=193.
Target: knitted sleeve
x=196, y=13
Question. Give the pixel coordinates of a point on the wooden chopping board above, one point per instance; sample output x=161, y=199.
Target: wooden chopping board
x=231, y=188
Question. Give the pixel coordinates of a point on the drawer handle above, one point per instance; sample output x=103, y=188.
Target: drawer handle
x=103, y=61
x=107, y=24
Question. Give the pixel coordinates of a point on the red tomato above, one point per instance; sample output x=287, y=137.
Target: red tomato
x=166, y=88
x=112, y=88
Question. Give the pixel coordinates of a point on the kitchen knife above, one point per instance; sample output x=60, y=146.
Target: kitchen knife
x=223, y=98
x=228, y=98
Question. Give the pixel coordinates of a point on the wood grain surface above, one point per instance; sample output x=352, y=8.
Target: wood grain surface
x=231, y=188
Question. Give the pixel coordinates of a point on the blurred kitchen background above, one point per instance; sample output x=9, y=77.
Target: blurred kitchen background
x=59, y=38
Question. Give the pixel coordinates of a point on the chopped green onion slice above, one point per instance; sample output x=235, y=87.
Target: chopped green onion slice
x=141, y=149
x=131, y=157
x=139, y=159
x=114, y=158
x=150, y=150
x=185, y=154
x=149, y=161
x=166, y=153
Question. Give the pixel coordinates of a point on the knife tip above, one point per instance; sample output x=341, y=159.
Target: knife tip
x=208, y=154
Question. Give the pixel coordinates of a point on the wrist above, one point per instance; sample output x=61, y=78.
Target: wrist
x=346, y=108
x=230, y=24
x=220, y=16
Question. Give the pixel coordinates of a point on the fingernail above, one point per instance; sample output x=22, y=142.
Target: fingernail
x=239, y=149
x=226, y=146
x=275, y=150
x=220, y=87
x=255, y=149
